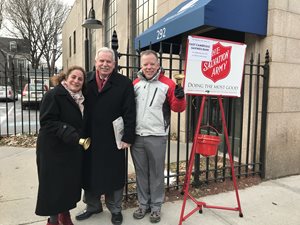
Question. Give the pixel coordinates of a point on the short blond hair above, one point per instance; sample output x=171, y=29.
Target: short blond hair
x=149, y=52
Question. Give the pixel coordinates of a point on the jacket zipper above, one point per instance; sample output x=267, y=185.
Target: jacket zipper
x=153, y=97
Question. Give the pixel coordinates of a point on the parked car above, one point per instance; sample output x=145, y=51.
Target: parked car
x=7, y=93
x=32, y=94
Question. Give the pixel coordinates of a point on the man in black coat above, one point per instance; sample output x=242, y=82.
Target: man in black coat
x=110, y=95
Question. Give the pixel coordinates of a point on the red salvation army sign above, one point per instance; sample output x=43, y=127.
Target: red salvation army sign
x=214, y=67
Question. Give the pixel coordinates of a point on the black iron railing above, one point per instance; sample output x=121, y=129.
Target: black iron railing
x=246, y=117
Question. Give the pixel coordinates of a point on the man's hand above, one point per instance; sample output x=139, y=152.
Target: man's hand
x=179, y=93
x=124, y=145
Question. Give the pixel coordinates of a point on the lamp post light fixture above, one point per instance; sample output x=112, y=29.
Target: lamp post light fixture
x=89, y=23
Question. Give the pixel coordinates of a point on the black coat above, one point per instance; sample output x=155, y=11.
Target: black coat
x=59, y=156
x=104, y=163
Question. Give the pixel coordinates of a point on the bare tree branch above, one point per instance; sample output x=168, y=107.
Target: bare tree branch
x=39, y=22
x=1, y=12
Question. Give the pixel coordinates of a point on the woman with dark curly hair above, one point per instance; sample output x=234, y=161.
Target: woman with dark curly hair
x=59, y=155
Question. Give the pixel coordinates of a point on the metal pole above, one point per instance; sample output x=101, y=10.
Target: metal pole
x=264, y=116
x=86, y=52
x=86, y=43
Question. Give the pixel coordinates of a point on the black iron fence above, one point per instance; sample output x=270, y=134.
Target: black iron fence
x=245, y=116
x=21, y=91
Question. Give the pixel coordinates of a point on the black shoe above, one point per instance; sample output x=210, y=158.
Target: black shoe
x=86, y=214
x=116, y=218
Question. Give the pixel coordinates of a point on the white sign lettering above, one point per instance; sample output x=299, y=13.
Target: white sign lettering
x=161, y=33
x=200, y=49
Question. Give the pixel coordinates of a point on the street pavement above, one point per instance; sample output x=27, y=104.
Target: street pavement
x=272, y=202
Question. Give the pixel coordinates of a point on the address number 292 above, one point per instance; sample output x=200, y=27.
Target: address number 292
x=161, y=33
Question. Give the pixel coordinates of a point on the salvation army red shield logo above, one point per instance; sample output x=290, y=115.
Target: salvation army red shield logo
x=219, y=66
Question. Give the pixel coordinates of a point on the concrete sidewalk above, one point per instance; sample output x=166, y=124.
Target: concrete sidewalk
x=274, y=202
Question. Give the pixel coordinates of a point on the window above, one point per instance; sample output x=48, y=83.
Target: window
x=70, y=46
x=13, y=46
x=74, y=41
x=21, y=63
x=146, y=13
x=110, y=21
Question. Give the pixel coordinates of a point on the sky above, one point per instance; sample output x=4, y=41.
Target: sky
x=58, y=63
x=69, y=2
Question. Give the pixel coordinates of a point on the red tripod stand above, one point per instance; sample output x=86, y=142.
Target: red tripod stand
x=199, y=204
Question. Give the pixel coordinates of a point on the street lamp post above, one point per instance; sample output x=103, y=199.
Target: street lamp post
x=89, y=23
x=86, y=51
